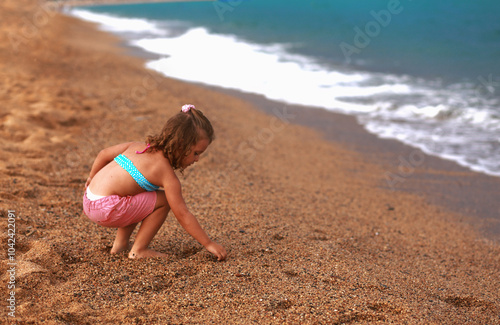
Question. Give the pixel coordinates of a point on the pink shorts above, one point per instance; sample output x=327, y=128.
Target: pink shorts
x=115, y=211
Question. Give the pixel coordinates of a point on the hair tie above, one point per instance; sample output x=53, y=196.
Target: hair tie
x=186, y=108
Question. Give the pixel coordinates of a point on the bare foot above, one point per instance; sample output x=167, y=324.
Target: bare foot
x=145, y=253
x=118, y=248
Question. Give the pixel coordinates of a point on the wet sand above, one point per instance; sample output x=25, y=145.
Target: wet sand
x=443, y=182
x=315, y=235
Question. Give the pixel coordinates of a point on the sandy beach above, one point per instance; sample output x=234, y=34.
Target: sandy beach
x=324, y=223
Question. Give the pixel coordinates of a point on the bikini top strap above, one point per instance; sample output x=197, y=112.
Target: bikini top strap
x=147, y=147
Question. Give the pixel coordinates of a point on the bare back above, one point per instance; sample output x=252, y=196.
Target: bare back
x=112, y=179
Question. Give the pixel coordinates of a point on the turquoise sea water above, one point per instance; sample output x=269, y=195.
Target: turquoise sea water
x=424, y=72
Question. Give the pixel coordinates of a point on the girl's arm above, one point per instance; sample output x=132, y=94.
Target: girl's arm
x=104, y=157
x=188, y=221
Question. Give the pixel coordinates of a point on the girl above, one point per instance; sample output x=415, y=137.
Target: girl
x=123, y=187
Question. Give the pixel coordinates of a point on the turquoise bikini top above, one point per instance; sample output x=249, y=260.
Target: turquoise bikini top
x=126, y=164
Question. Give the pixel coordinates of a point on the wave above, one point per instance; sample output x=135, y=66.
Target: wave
x=269, y=70
x=441, y=120
x=119, y=24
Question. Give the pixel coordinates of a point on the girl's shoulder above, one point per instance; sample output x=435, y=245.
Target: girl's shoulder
x=158, y=168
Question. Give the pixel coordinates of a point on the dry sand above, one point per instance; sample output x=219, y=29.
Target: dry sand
x=313, y=236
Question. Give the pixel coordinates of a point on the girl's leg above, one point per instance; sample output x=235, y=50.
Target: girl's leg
x=122, y=238
x=149, y=227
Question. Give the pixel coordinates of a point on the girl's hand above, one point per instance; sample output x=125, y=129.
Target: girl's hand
x=217, y=250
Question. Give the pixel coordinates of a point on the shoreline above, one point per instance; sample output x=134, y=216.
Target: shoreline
x=461, y=190
x=312, y=235
x=78, y=3
x=469, y=193
x=434, y=118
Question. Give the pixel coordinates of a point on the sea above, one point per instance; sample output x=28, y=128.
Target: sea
x=424, y=72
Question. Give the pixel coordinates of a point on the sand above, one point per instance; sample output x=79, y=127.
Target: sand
x=315, y=235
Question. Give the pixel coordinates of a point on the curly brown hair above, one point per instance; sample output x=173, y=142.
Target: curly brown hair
x=179, y=134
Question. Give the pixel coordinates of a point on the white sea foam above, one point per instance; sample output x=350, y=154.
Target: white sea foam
x=119, y=24
x=451, y=122
x=225, y=61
